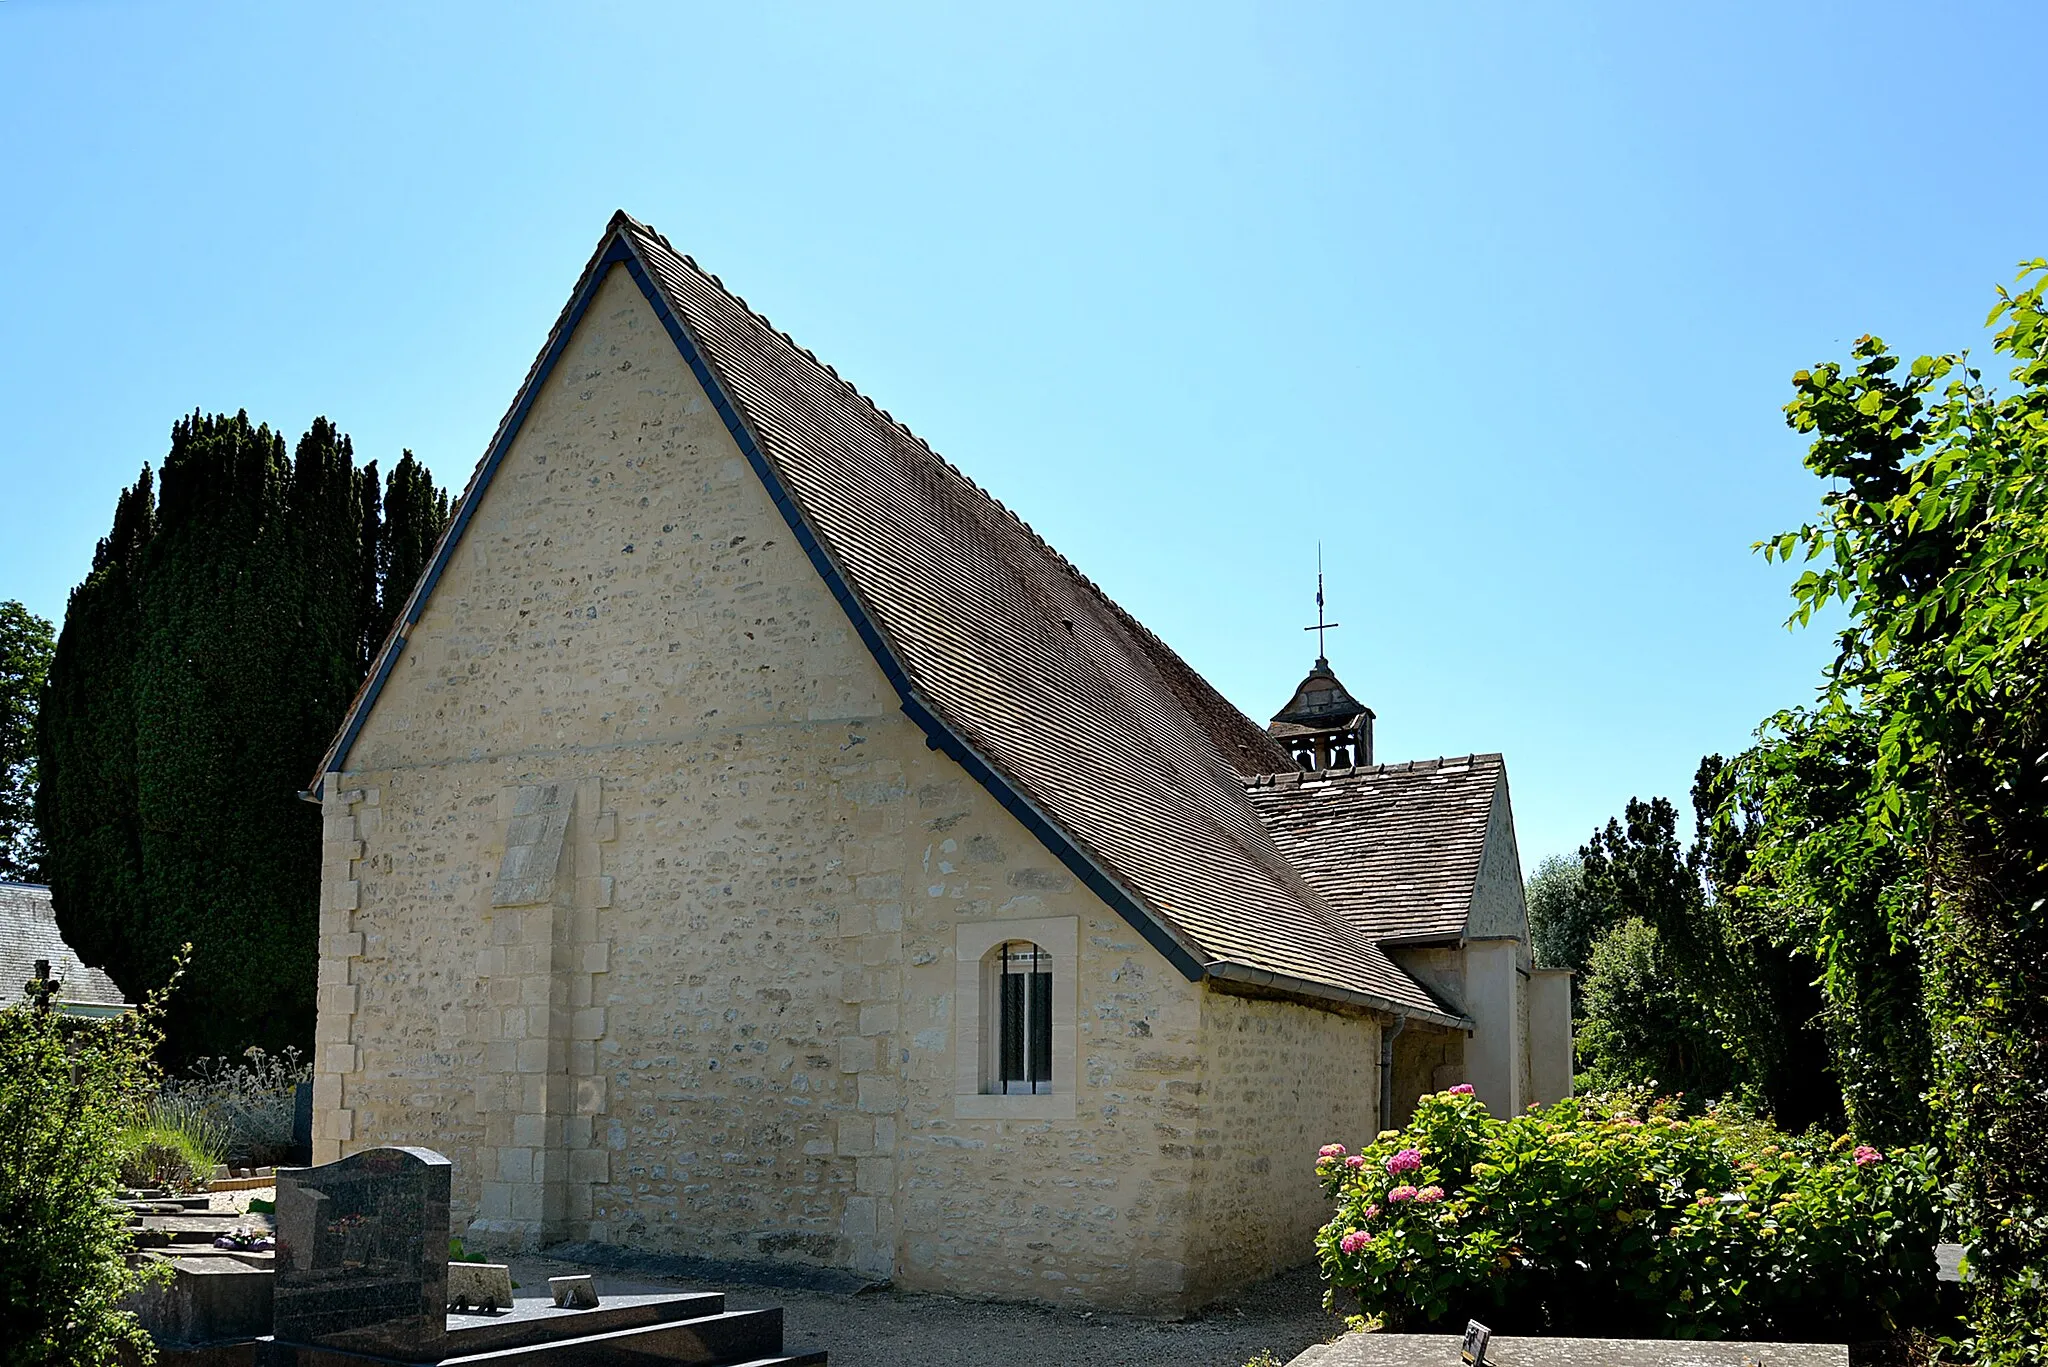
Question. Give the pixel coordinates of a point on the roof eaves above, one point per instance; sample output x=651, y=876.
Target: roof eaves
x=1288, y=984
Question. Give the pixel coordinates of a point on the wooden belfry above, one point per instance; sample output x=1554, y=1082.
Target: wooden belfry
x=1323, y=726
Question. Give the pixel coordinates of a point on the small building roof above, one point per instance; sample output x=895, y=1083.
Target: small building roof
x=1394, y=848
x=28, y=932
x=1320, y=703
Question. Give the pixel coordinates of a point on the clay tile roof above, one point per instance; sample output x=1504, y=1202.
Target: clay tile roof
x=1393, y=848
x=1102, y=726
x=28, y=932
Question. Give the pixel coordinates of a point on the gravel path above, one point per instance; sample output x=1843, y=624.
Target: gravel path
x=890, y=1329
x=237, y=1202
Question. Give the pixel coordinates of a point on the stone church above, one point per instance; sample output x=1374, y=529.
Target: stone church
x=753, y=841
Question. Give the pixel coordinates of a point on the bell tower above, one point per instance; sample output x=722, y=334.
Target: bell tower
x=1323, y=726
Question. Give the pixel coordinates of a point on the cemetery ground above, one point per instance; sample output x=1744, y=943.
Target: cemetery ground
x=884, y=1328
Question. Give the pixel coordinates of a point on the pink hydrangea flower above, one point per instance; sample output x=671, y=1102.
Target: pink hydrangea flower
x=1408, y=1160
x=1330, y=1151
x=1355, y=1161
x=1355, y=1241
x=1429, y=1196
x=1372, y=1212
x=1462, y=1089
x=1865, y=1156
x=1403, y=1194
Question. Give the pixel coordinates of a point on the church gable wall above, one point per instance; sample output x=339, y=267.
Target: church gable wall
x=1499, y=910
x=728, y=1027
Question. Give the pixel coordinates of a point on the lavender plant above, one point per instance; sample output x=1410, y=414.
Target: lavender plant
x=248, y=1102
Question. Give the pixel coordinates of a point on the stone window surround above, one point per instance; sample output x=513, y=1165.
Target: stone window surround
x=975, y=1013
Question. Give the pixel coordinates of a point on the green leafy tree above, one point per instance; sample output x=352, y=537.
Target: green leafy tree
x=67, y=1089
x=1934, y=536
x=230, y=858
x=1750, y=972
x=1563, y=922
x=1821, y=879
x=1640, y=1028
x=1707, y=994
x=26, y=644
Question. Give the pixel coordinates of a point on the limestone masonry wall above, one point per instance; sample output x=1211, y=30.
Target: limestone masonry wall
x=723, y=1019
x=1280, y=1081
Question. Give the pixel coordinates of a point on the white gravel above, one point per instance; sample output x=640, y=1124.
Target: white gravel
x=891, y=1329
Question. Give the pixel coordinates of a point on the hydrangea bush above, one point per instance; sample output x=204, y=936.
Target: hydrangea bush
x=1618, y=1216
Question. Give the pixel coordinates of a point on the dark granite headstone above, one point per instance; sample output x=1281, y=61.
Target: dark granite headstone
x=302, y=1123
x=362, y=1254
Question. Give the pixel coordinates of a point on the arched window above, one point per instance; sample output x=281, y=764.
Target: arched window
x=1021, y=978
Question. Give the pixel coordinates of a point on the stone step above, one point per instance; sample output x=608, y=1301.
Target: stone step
x=169, y=1205
x=535, y=1320
x=731, y=1336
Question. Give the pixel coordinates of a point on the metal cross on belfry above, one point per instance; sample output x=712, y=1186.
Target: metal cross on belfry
x=1322, y=655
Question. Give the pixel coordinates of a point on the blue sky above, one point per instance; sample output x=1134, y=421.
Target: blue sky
x=1498, y=304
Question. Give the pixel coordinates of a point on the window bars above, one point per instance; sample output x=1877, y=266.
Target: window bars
x=1024, y=1052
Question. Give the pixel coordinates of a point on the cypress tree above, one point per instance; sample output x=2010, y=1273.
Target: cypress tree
x=369, y=554
x=230, y=859
x=415, y=513
x=327, y=521
x=85, y=748
x=203, y=668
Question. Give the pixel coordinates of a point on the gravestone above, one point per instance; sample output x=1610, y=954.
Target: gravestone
x=362, y=1254
x=576, y=1292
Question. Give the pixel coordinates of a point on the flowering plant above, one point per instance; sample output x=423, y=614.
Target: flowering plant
x=1619, y=1215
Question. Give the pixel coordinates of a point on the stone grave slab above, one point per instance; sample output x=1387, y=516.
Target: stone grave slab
x=362, y=1254
x=575, y=1292
x=1441, y=1350
x=479, y=1286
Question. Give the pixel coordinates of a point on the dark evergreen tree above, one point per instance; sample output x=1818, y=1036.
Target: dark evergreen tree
x=369, y=555
x=327, y=520
x=230, y=858
x=415, y=514
x=85, y=751
x=201, y=672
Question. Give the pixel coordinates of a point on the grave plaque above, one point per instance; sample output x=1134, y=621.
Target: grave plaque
x=362, y=1254
x=1473, y=1350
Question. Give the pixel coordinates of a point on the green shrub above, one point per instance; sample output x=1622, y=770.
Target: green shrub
x=170, y=1145
x=1615, y=1216
x=66, y=1089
